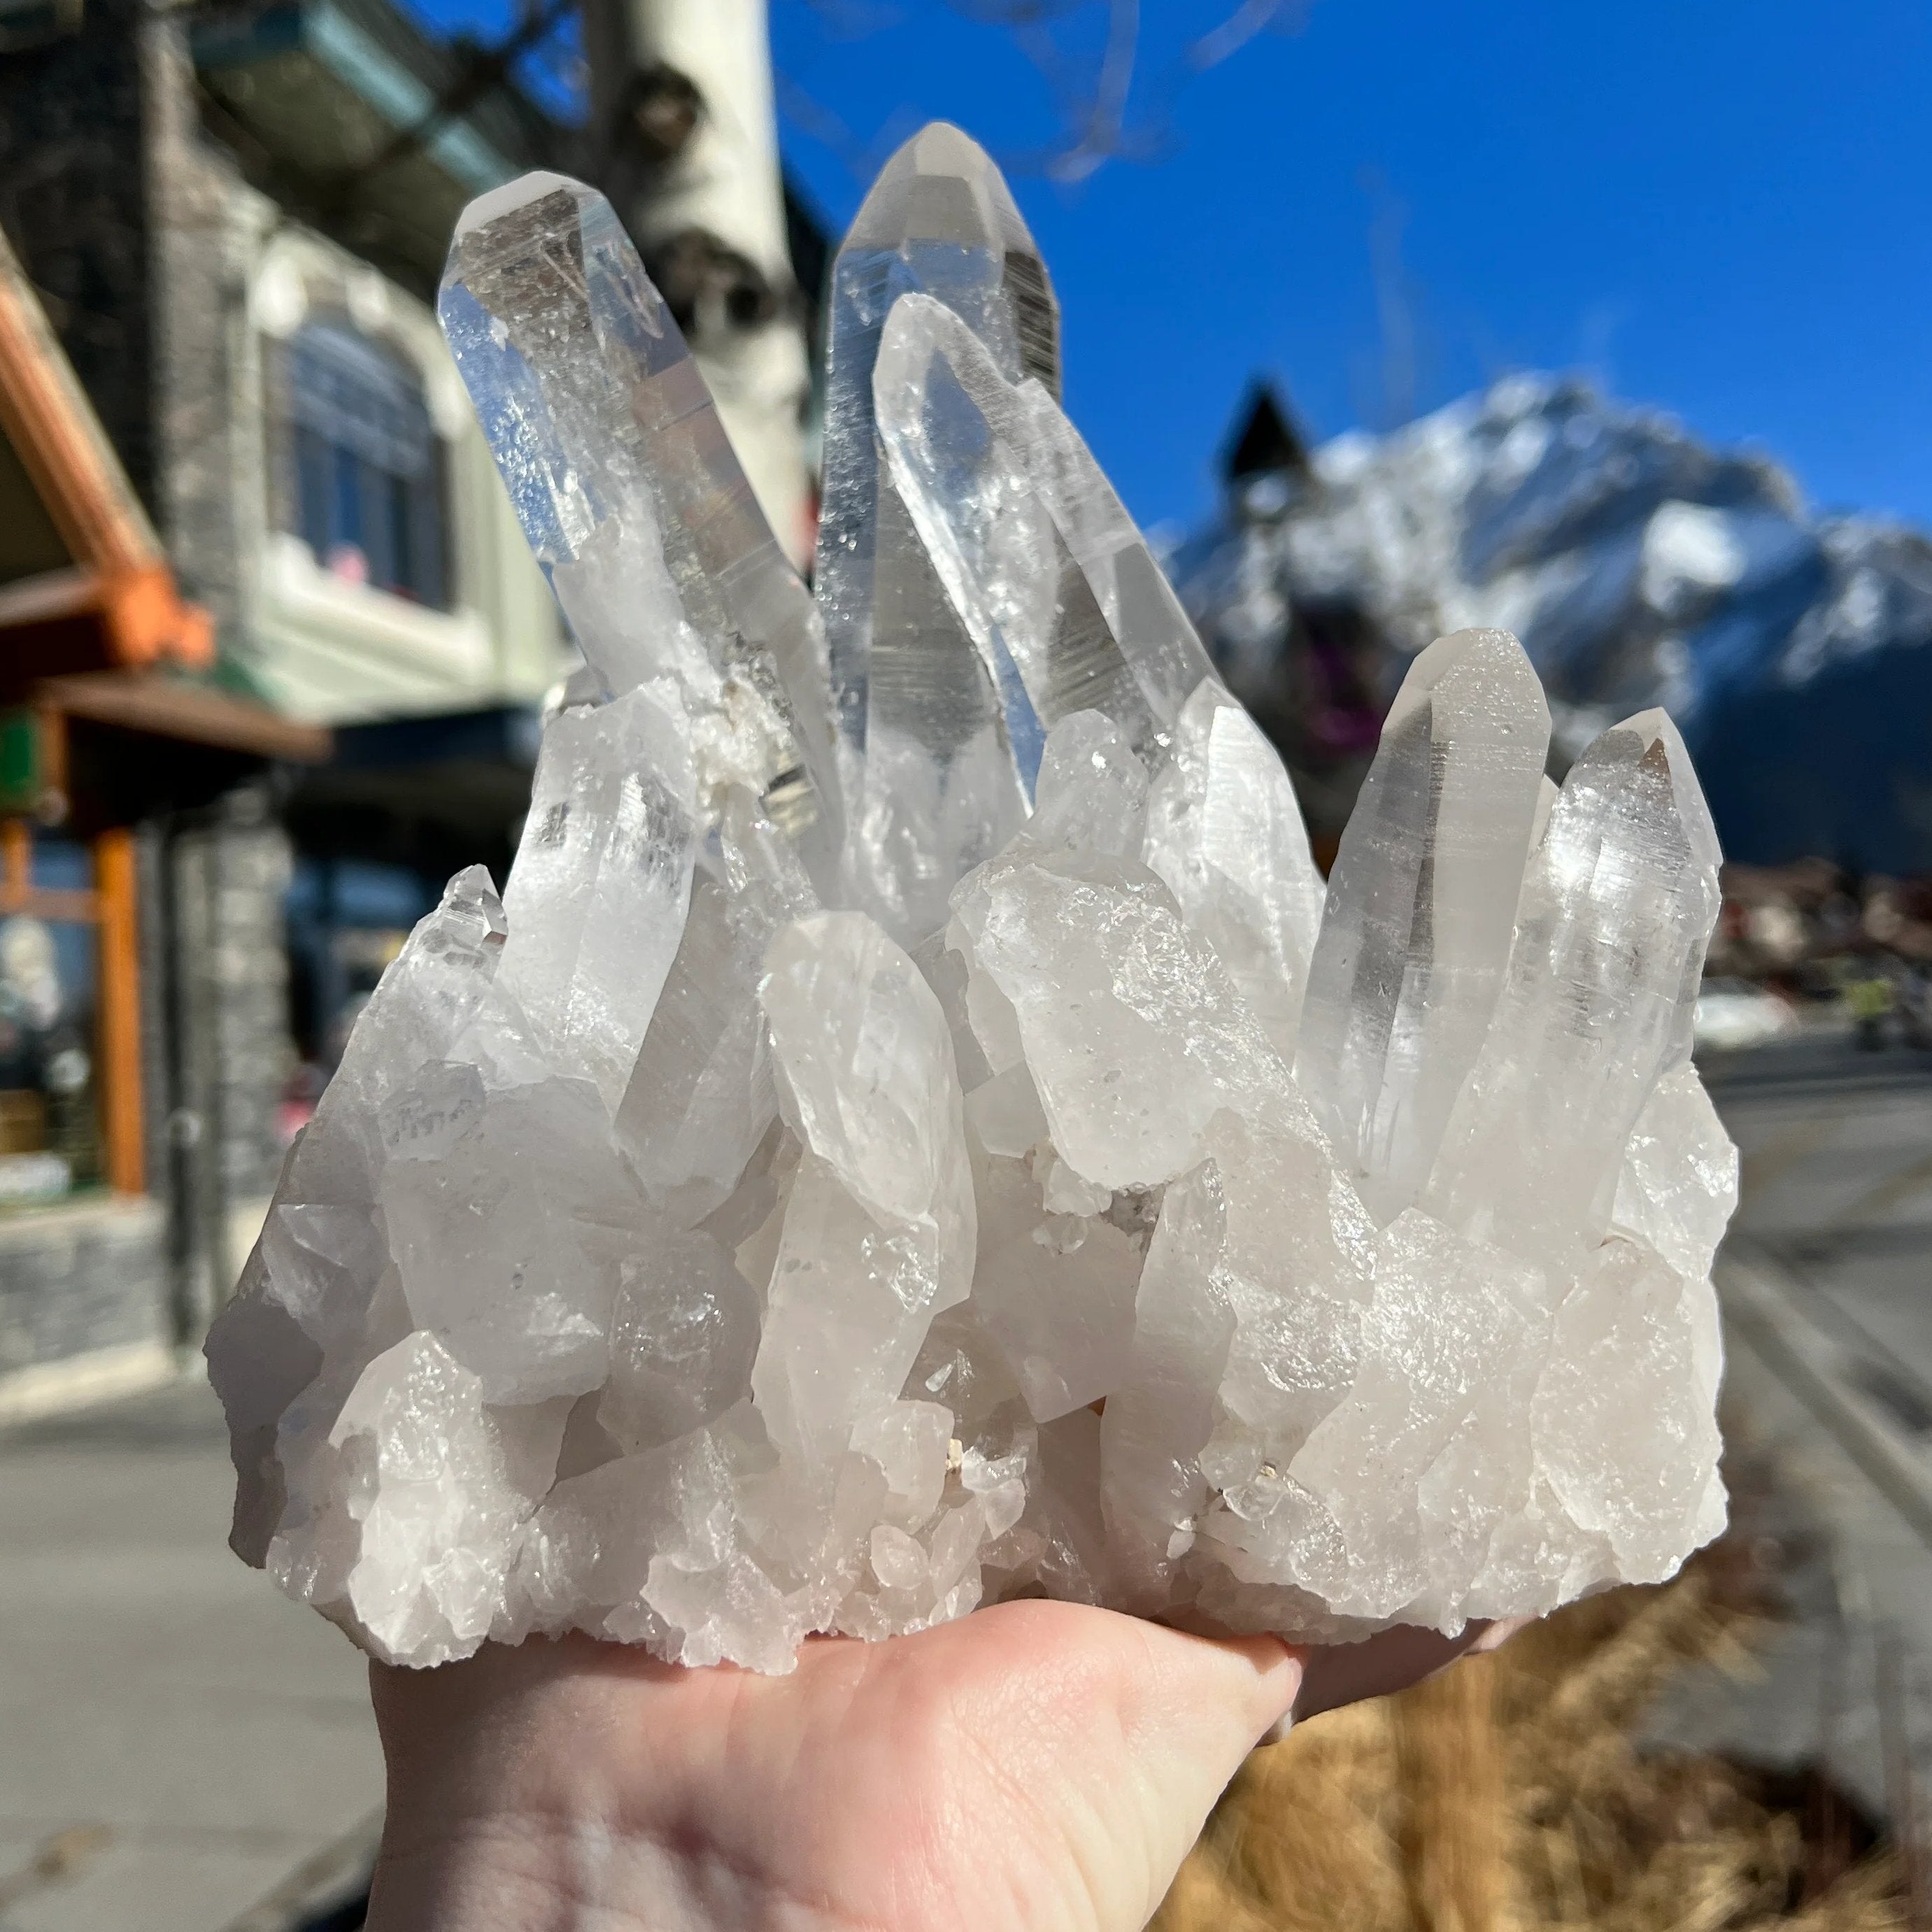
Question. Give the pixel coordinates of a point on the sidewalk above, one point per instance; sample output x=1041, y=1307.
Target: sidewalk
x=192, y=1735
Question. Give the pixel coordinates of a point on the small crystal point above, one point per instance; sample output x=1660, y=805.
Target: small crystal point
x=1616, y=911
x=625, y=484
x=1421, y=909
x=596, y=901
x=878, y=1234
x=1039, y=558
x=1225, y=833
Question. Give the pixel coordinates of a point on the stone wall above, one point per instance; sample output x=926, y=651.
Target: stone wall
x=251, y=971
x=76, y=1280
x=71, y=202
x=208, y=230
x=232, y=878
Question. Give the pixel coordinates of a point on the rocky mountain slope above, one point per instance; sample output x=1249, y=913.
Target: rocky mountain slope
x=1640, y=567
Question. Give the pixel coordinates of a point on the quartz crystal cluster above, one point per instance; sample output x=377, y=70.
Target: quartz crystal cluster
x=917, y=1129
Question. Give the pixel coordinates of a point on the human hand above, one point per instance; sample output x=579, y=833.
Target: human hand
x=1032, y=1767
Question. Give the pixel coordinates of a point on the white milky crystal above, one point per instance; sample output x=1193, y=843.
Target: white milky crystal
x=917, y=1131
x=879, y=1230
x=1618, y=907
x=1679, y=1185
x=1226, y=834
x=1055, y=1284
x=1632, y=1337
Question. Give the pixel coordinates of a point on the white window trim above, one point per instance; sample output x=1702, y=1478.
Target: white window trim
x=296, y=598
x=297, y=590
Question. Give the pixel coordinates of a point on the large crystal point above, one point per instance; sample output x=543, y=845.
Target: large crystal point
x=628, y=491
x=1421, y=909
x=1617, y=910
x=1041, y=560
x=855, y=1175
x=939, y=220
x=943, y=788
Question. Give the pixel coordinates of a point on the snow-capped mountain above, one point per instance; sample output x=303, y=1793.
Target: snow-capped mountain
x=1639, y=567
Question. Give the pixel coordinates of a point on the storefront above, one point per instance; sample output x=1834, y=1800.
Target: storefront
x=119, y=775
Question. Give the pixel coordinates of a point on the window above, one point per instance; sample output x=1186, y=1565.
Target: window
x=368, y=493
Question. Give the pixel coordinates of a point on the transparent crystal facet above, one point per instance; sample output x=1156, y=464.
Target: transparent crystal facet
x=629, y=494
x=1421, y=910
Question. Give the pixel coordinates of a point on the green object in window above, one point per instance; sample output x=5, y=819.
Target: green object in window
x=20, y=780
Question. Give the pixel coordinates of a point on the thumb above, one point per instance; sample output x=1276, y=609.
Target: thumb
x=1151, y=1725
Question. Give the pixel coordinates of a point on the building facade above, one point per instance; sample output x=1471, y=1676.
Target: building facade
x=232, y=219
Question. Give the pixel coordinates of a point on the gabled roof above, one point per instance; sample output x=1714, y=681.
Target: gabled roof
x=84, y=583
x=1267, y=443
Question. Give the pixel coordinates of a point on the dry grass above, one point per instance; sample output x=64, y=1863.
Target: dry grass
x=1507, y=1795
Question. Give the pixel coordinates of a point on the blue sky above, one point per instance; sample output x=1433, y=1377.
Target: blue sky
x=1719, y=207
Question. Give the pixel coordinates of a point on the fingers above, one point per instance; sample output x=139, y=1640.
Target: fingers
x=1334, y=1675
x=1254, y=1680
x=1182, y=1714
x=1498, y=1634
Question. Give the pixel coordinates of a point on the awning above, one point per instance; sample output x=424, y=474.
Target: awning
x=100, y=748
x=192, y=714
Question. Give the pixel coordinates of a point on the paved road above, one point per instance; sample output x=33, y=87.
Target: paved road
x=186, y=1735
x=1836, y=1147
x=1826, y=1283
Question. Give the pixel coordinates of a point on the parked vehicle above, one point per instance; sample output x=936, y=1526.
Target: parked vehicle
x=1733, y=1014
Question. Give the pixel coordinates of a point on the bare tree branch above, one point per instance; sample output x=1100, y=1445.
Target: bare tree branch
x=1251, y=18
x=1110, y=105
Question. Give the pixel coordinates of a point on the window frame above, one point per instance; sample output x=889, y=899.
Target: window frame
x=425, y=503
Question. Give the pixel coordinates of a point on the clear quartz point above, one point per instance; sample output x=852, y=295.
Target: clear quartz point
x=915, y=1129
x=941, y=787
x=941, y=221
x=1055, y=583
x=628, y=491
x=1421, y=909
x=1617, y=910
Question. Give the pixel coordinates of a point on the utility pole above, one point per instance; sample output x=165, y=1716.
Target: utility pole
x=687, y=144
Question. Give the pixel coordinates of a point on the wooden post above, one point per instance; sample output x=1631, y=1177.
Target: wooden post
x=17, y=864
x=119, y=1086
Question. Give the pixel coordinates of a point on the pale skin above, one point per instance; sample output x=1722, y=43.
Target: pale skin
x=1037, y=1767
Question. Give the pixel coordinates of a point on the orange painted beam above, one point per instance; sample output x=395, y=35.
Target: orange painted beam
x=119, y=1085
x=45, y=415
